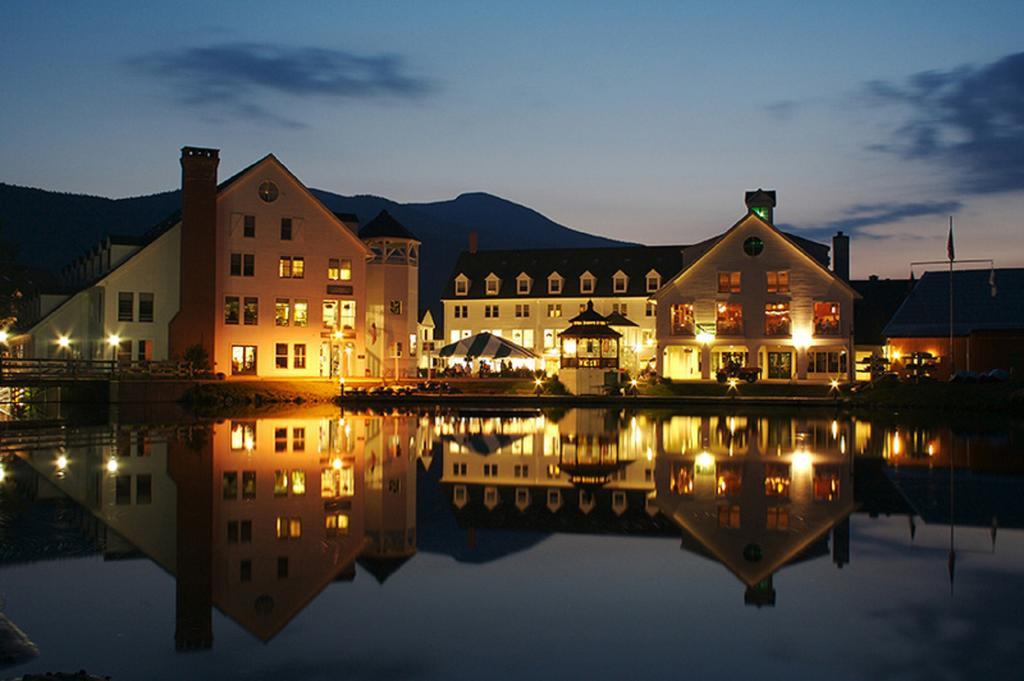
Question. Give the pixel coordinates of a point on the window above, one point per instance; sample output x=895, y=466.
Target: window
x=778, y=282
x=728, y=282
x=144, y=489
x=348, y=318
x=333, y=269
x=491, y=311
x=461, y=311
x=826, y=319
x=753, y=246
x=144, y=350
x=395, y=307
x=549, y=338
x=336, y=523
x=729, y=320
x=249, y=226
x=248, y=484
x=282, y=567
x=521, y=471
x=554, y=284
x=619, y=282
x=554, y=310
x=329, y=311
x=459, y=469
x=282, y=312
x=299, y=434
x=780, y=365
x=280, y=439
x=243, y=435
x=523, y=285
x=125, y=305
x=229, y=486
x=301, y=313
x=461, y=286
x=653, y=282
x=522, y=310
x=621, y=308
x=289, y=528
x=299, y=356
x=286, y=229
x=587, y=283
x=236, y=264
x=145, y=307
x=281, y=355
x=776, y=319
x=245, y=571
x=232, y=531
x=251, y=311
x=231, y=309
x=827, y=362
x=490, y=470
x=280, y=483
x=248, y=264
x=493, y=285
x=299, y=483
x=650, y=309
x=298, y=267
x=346, y=270
x=291, y=267
x=682, y=319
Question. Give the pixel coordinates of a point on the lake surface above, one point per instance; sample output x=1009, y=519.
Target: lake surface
x=320, y=544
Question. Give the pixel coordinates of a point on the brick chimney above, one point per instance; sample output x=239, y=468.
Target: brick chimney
x=196, y=321
x=473, y=241
x=841, y=256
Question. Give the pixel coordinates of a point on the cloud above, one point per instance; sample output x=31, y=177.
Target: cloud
x=235, y=79
x=860, y=219
x=782, y=109
x=970, y=119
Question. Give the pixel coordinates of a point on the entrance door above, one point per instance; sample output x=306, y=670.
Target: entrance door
x=243, y=360
x=780, y=365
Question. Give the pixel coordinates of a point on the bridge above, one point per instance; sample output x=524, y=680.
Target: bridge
x=23, y=373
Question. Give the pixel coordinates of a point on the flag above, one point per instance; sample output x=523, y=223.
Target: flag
x=949, y=242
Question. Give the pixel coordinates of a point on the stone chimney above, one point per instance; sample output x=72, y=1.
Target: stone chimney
x=841, y=256
x=473, y=241
x=196, y=320
x=762, y=202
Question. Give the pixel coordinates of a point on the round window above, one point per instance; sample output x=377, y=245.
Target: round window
x=753, y=246
x=268, y=191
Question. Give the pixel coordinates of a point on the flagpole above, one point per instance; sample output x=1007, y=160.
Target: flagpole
x=951, y=253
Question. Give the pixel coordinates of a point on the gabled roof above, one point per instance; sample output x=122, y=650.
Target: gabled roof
x=619, y=319
x=814, y=252
x=925, y=312
x=384, y=225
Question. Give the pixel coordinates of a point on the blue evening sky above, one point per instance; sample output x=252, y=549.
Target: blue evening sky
x=637, y=120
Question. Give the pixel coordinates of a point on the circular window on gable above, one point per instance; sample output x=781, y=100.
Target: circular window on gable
x=753, y=246
x=268, y=191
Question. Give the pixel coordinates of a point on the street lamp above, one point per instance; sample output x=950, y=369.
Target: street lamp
x=114, y=341
x=64, y=343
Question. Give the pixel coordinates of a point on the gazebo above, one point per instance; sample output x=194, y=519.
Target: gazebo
x=588, y=350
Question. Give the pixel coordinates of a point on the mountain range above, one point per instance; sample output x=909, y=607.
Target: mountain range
x=49, y=229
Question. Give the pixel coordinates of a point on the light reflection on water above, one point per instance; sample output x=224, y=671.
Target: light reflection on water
x=453, y=544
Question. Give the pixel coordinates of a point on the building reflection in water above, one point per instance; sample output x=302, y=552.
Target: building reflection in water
x=256, y=516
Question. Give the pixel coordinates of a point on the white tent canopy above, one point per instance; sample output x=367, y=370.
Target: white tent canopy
x=487, y=346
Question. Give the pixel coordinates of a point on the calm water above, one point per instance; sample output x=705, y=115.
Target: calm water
x=316, y=544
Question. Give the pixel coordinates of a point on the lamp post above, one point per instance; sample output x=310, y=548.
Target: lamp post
x=64, y=343
x=114, y=341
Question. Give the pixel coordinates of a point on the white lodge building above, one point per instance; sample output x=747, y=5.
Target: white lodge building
x=756, y=297
x=256, y=271
x=753, y=295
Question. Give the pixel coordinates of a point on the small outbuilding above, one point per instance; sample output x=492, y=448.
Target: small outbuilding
x=589, y=350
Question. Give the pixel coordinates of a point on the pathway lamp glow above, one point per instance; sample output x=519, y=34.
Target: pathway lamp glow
x=114, y=341
x=4, y=336
x=112, y=465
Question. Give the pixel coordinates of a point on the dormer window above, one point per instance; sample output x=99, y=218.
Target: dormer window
x=554, y=284
x=523, y=284
x=492, y=284
x=653, y=281
x=587, y=282
x=619, y=282
x=461, y=285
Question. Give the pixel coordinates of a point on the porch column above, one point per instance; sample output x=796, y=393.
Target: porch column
x=705, y=362
x=801, y=363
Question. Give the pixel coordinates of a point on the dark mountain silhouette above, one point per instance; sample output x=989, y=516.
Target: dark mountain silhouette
x=53, y=228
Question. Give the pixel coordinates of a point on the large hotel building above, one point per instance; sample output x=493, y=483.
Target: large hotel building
x=753, y=295
x=256, y=272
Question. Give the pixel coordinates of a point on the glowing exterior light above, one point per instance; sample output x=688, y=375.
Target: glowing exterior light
x=835, y=428
x=705, y=337
x=650, y=454
x=113, y=340
x=3, y=473
x=337, y=335
x=802, y=339
x=112, y=465
x=931, y=449
x=336, y=464
x=704, y=463
x=62, y=462
x=834, y=384
x=733, y=383
x=801, y=461
x=4, y=336
x=63, y=341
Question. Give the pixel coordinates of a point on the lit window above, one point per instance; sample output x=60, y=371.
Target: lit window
x=243, y=435
x=778, y=282
x=682, y=319
x=280, y=483
x=650, y=310
x=523, y=310
x=461, y=285
x=346, y=269
x=728, y=282
x=493, y=285
x=330, y=313
x=248, y=484
x=554, y=285
x=729, y=319
x=284, y=267
x=299, y=483
x=336, y=524
x=231, y=309
x=619, y=282
x=250, y=311
x=298, y=267
x=776, y=319
x=301, y=313
x=281, y=355
x=282, y=312
x=587, y=283
x=333, y=269
x=299, y=356
x=554, y=310
x=523, y=285
x=826, y=319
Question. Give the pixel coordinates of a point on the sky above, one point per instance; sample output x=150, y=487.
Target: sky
x=643, y=121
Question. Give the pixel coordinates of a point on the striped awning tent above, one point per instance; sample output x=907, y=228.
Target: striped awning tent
x=486, y=345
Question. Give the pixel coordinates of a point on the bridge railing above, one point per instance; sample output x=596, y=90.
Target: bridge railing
x=14, y=369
